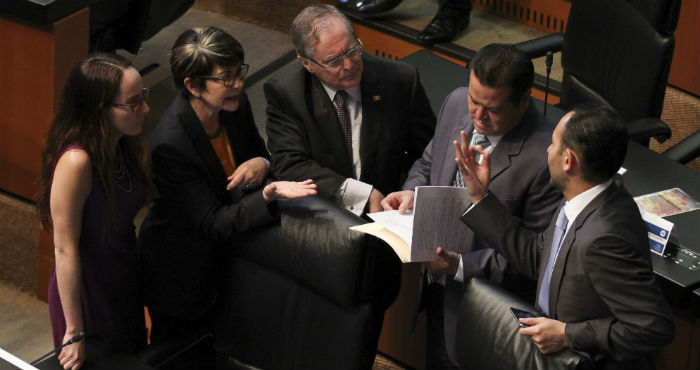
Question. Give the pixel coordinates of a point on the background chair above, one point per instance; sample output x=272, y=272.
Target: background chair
x=685, y=150
x=617, y=53
x=488, y=337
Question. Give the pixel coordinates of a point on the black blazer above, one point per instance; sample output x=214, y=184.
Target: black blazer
x=602, y=285
x=305, y=139
x=193, y=217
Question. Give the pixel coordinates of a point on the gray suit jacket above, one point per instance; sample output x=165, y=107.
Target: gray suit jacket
x=519, y=178
x=602, y=284
x=304, y=135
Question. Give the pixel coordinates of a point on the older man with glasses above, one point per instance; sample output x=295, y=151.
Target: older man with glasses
x=352, y=122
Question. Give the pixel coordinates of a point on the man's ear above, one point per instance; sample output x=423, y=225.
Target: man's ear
x=189, y=85
x=305, y=62
x=570, y=160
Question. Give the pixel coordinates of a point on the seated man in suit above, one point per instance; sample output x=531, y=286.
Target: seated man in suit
x=497, y=109
x=350, y=121
x=596, y=286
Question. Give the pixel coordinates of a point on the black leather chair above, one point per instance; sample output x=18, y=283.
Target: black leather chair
x=306, y=293
x=617, y=53
x=488, y=338
x=686, y=150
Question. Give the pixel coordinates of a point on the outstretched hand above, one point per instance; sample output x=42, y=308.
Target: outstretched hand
x=288, y=190
x=476, y=176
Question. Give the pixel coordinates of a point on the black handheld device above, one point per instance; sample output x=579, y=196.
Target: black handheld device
x=518, y=314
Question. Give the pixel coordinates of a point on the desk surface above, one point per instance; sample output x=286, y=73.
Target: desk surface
x=41, y=12
x=648, y=172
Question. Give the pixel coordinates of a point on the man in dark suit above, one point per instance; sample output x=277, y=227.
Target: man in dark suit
x=350, y=121
x=596, y=287
x=496, y=104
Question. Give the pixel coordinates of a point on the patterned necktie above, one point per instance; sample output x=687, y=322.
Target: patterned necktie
x=559, y=231
x=344, y=118
x=477, y=139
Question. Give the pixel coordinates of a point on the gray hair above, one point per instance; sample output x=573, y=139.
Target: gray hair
x=198, y=51
x=310, y=22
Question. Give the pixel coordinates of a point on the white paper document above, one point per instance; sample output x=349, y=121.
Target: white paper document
x=435, y=222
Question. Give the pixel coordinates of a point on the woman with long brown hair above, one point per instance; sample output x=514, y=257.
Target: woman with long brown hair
x=91, y=187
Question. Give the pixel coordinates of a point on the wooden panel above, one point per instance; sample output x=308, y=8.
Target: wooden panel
x=26, y=102
x=549, y=16
x=381, y=44
x=397, y=340
x=685, y=69
x=35, y=63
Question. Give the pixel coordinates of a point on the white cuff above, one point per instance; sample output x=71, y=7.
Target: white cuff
x=459, y=275
x=353, y=195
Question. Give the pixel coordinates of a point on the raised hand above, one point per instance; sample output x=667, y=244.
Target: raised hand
x=476, y=176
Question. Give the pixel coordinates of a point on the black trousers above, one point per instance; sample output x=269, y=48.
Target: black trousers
x=436, y=357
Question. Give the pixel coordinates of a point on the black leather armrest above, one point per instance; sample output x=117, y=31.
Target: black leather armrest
x=488, y=338
x=686, y=150
x=644, y=128
x=159, y=354
x=539, y=47
x=313, y=245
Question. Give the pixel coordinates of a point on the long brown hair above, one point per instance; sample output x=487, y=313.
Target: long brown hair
x=81, y=118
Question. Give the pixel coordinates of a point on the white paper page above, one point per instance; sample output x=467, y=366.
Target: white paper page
x=401, y=225
x=437, y=211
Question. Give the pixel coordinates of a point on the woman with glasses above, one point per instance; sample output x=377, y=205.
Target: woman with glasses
x=209, y=167
x=91, y=187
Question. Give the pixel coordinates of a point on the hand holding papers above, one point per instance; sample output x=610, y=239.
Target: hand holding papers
x=434, y=222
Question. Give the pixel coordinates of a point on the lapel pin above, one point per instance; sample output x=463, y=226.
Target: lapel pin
x=376, y=98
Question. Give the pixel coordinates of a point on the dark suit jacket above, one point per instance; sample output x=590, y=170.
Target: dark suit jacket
x=193, y=216
x=519, y=178
x=602, y=285
x=304, y=135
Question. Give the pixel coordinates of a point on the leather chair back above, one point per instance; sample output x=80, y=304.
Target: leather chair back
x=488, y=338
x=613, y=55
x=306, y=293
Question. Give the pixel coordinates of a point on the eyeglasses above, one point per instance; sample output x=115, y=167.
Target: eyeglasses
x=138, y=102
x=230, y=79
x=338, y=61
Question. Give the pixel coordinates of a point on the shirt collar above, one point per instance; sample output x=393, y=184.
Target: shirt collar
x=574, y=206
x=492, y=139
x=354, y=92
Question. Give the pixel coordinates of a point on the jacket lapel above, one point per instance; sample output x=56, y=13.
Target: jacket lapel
x=326, y=120
x=200, y=142
x=568, y=242
x=374, y=114
x=449, y=170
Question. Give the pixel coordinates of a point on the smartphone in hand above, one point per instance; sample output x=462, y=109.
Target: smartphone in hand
x=518, y=314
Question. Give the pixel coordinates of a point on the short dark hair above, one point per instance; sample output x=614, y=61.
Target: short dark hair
x=198, y=51
x=502, y=65
x=308, y=24
x=599, y=137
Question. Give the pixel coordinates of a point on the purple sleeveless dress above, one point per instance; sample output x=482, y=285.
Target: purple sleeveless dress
x=110, y=290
